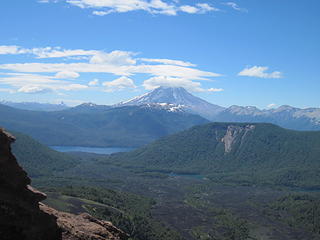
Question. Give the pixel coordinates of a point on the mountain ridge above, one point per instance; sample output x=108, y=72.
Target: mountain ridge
x=243, y=152
x=177, y=99
x=35, y=106
x=284, y=116
x=127, y=126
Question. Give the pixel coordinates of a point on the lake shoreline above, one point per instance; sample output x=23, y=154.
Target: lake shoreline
x=96, y=150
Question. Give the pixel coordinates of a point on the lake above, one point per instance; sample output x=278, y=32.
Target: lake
x=106, y=150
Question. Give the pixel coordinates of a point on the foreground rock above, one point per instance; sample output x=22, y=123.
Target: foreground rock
x=84, y=226
x=21, y=217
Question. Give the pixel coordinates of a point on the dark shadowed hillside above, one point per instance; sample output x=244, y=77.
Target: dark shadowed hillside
x=241, y=152
x=38, y=159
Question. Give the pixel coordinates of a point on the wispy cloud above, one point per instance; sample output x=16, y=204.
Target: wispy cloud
x=94, y=82
x=31, y=89
x=215, y=90
x=67, y=74
x=123, y=64
x=45, y=52
x=260, y=72
x=168, y=61
x=121, y=83
x=100, y=13
x=166, y=81
x=170, y=7
x=36, y=83
x=235, y=6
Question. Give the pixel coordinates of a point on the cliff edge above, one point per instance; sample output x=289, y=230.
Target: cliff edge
x=23, y=217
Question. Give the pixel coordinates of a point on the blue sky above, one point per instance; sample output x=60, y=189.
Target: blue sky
x=264, y=53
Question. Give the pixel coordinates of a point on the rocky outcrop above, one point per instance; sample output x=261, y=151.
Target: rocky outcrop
x=84, y=226
x=233, y=133
x=22, y=217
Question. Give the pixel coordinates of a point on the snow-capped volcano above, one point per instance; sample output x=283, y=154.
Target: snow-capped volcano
x=176, y=96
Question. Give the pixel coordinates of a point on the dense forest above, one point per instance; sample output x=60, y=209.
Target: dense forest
x=255, y=154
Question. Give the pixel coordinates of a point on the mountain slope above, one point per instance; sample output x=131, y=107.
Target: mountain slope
x=235, y=151
x=38, y=159
x=177, y=96
x=124, y=126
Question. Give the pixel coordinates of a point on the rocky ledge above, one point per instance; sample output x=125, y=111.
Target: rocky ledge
x=23, y=217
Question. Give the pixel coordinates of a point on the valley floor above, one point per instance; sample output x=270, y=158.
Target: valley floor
x=195, y=207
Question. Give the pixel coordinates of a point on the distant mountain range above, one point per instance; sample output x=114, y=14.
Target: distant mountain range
x=139, y=121
x=242, y=153
x=285, y=116
x=35, y=106
x=99, y=126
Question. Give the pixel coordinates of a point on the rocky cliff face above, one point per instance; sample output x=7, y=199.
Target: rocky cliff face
x=21, y=217
x=233, y=133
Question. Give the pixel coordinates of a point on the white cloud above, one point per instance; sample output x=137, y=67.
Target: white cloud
x=94, y=82
x=32, y=89
x=35, y=83
x=119, y=84
x=67, y=74
x=114, y=58
x=22, y=79
x=46, y=52
x=100, y=13
x=73, y=87
x=236, y=6
x=9, y=50
x=173, y=71
x=215, y=89
x=120, y=70
x=5, y=90
x=53, y=75
x=189, y=9
x=205, y=7
x=58, y=52
x=61, y=67
x=158, y=81
x=260, y=72
x=13, y=49
x=168, y=61
x=188, y=84
x=172, y=7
